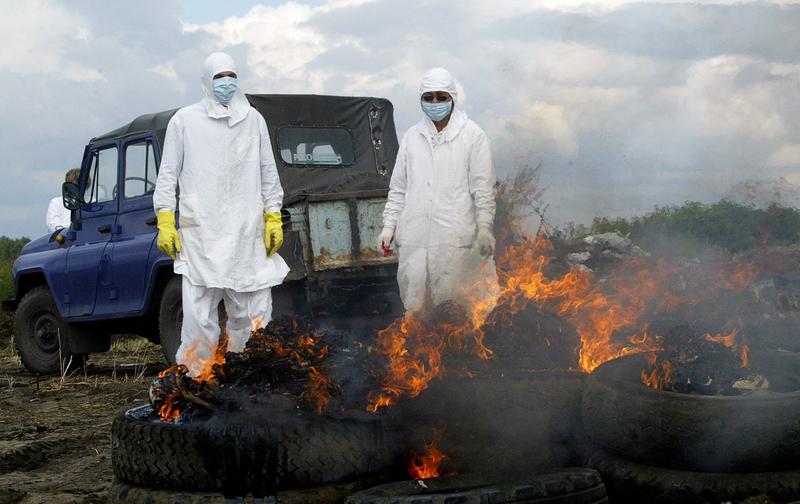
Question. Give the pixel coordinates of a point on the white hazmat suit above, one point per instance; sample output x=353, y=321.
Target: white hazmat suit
x=221, y=160
x=57, y=215
x=440, y=195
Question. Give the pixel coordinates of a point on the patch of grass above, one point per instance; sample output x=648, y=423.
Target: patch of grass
x=131, y=343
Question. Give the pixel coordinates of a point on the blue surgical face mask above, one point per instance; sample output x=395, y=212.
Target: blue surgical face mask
x=224, y=87
x=437, y=111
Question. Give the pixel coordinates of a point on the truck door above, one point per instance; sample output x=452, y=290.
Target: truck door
x=136, y=223
x=88, y=262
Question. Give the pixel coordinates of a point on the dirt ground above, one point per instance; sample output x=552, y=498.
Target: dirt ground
x=55, y=432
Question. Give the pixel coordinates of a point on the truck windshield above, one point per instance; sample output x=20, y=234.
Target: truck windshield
x=309, y=146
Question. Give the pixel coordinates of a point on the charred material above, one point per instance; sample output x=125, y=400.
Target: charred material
x=529, y=337
x=693, y=363
x=284, y=357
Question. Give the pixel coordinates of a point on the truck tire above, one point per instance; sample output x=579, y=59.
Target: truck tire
x=41, y=336
x=170, y=318
x=248, y=453
x=564, y=486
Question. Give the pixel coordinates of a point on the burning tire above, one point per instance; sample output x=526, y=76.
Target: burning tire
x=635, y=483
x=746, y=433
x=238, y=453
x=566, y=486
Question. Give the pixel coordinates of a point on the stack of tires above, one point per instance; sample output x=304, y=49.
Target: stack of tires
x=238, y=454
x=659, y=446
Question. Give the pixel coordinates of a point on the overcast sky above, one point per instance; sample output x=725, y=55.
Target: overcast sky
x=627, y=105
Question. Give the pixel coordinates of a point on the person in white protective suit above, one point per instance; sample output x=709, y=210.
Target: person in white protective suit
x=58, y=217
x=217, y=155
x=440, y=208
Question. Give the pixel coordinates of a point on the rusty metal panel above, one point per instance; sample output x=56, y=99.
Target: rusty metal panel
x=370, y=224
x=329, y=229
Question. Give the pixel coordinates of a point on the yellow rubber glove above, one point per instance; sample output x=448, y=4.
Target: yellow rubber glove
x=168, y=240
x=273, y=232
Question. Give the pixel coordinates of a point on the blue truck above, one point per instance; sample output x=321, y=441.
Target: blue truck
x=104, y=275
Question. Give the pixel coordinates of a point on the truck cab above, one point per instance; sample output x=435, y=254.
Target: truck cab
x=104, y=274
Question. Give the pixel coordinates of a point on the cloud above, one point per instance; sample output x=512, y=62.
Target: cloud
x=788, y=156
x=40, y=31
x=627, y=104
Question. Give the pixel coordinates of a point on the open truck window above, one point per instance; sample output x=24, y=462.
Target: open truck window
x=312, y=146
x=101, y=185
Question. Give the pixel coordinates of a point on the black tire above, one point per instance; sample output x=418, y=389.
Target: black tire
x=257, y=453
x=629, y=482
x=565, y=486
x=750, y=433
x=41, y=337
x=170, y=318
x=123, y=493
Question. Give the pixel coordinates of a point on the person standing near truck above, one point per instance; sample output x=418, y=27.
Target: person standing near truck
x=217, y=163
x=440, y=208
x=58, y=217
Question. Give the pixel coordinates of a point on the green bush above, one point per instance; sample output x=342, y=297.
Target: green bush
x=9, y=250
x=730, y=225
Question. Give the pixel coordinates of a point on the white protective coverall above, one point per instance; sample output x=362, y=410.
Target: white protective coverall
x=221, y=160
x=57, y=215
x=441, y=191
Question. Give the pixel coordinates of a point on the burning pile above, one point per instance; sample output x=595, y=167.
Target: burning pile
x=576, y=317
x=284, y=357
x=709, y=364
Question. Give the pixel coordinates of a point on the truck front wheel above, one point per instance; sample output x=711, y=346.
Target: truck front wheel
x=41, y=336
x=170, y=318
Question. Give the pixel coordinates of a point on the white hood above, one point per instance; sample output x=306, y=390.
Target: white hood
x=439, y=79
x=238, y=107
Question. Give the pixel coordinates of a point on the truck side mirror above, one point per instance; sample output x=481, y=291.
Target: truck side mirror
x=71, y=195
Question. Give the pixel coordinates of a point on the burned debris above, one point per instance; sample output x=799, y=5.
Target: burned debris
x=285, y=357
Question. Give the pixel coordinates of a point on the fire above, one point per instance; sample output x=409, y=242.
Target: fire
x=194, y=358
x=609, y=314
x=598, y=311
x=414, y=353
x=738, y=275
x=318, y=390
x=660, y=375
x=729, y=342
x=169, y=411
x=427, y=465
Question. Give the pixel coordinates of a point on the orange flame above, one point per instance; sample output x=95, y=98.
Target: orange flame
x=168, y=412
x=194, y=358
x=729, y=342
x=318, y=390
x=427, y=465
x=738, y=275
x=660, y=375
x=609, y=314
